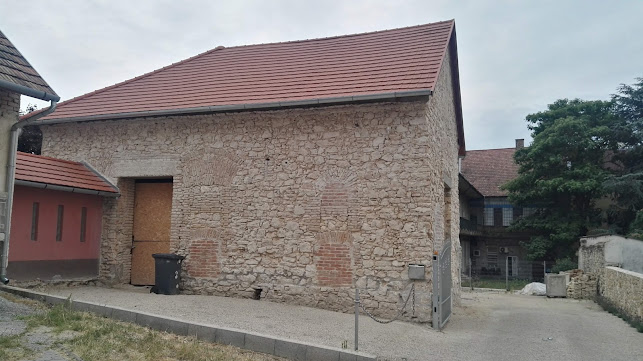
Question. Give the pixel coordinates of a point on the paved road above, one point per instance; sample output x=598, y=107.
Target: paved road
x=492, y=327
x=520, y=328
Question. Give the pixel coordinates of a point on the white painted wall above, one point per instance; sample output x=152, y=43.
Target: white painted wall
x=619, y=251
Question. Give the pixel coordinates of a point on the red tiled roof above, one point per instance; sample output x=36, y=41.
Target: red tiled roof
x=14, y=68
x=488, y=169
x=46, y=170
x=405, y=59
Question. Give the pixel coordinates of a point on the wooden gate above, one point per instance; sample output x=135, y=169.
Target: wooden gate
x=151, y=232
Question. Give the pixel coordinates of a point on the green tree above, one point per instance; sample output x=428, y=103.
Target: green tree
x=562, y=174
x=30, y=139
x=625, y=184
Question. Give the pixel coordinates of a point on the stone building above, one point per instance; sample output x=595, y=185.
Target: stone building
x=488, y=244
x=291, y=172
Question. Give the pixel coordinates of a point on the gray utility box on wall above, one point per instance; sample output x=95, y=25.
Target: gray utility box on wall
x=556, y=285
x=416, y=272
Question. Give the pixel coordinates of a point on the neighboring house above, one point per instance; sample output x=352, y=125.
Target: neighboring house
x=291, y=171
x=469, y=227
x=17, y=77
x=56, y=222
x=485, y=237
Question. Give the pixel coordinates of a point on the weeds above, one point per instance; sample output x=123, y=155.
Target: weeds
x=611, y=308
x=100, y=338
x=12, y=349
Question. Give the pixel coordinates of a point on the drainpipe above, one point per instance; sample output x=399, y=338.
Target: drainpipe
x=11, y=171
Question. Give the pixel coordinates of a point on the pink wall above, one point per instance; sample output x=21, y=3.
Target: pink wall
x=22, y=248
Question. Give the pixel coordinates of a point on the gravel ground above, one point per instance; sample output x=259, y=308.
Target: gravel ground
x=9, y=311
x=41, y=341
x=488, y=326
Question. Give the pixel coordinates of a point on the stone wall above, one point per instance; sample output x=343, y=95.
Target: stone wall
x=582, y=286
x=591, y=258
x=623, y=289
x=301, y=204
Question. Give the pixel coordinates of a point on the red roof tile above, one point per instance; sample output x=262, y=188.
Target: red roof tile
x=489, y=169
x=387, y=61
x=46, y=170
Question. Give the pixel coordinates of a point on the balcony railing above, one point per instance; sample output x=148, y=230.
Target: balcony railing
x=469, y=226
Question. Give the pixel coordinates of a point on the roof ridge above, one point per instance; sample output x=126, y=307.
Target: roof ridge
x=339, y=36
x=83, y=96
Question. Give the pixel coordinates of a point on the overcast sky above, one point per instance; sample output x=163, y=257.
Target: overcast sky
x=515, y=56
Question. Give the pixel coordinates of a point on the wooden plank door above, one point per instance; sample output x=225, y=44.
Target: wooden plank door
x=151, y=233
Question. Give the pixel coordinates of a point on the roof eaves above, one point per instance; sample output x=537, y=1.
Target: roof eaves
x=56, y=187
x=419, y=93
x=21, y=89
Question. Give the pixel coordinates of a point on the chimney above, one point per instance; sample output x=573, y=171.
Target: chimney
x=520, y=143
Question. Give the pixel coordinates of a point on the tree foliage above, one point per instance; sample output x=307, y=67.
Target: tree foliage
x=625, y=184
x=582, y=152
x=30, y=139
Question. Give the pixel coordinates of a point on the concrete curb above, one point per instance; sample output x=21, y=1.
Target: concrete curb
x=292, y=350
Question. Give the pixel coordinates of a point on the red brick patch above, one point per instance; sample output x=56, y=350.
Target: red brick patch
x=203, y=260
x=333, y=262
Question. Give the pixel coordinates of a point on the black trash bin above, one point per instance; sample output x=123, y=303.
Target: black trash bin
x=167, y=273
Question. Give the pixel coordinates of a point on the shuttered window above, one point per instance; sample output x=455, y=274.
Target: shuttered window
x=83, y=223
x=59, y=223
x=35, y=211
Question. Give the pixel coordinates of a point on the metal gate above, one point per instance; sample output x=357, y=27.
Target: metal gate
x=442, y=286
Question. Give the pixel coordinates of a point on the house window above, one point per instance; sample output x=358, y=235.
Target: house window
x=488, y=216
x=83, y=223
x=507, y=216
x=59, y=223
x=35, y=210
x=497, y=217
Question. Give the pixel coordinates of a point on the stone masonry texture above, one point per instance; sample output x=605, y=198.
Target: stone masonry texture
x=304, y=204
x=624, y=289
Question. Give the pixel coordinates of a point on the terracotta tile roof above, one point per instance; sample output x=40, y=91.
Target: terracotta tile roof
x=14, y=68
x=405, y=59
x=488, y=169
x=46, y=170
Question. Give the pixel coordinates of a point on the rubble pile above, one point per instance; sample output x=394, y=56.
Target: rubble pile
x=581, y=285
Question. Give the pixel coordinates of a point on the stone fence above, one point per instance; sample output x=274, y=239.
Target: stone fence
x=624, y=290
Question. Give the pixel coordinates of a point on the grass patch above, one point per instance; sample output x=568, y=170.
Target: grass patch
x=610, y=307
x=12, y=349
x=100, y=338
x=514, y=285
